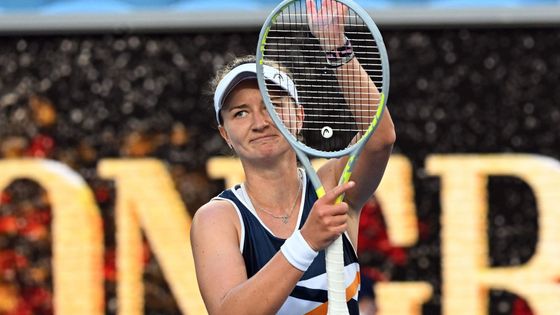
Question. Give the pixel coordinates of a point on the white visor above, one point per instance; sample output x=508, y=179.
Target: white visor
x=248, y=71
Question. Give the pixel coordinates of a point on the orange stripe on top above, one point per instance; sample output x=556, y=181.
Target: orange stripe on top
x=350, y=292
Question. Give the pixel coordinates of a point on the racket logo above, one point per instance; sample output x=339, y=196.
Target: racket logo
x=279, y=77
x=327, y=132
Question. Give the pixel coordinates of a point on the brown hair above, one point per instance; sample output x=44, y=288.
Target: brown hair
x=220, y=74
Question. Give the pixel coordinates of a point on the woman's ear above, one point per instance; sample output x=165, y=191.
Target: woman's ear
x=300, y=115
x=224, y=135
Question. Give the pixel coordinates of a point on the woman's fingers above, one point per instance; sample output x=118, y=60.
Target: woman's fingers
x=311, y=9
x=328, y=219
x=333, y=194
x=327, y=22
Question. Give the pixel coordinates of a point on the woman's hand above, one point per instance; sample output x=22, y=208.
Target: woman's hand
x=327, y=23
x=327, y=219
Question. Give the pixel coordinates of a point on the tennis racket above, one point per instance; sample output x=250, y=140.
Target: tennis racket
x=332, y=57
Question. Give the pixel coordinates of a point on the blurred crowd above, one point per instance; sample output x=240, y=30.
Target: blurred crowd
x=79, y=99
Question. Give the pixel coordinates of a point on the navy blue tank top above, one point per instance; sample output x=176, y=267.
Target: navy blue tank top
x=259, y=245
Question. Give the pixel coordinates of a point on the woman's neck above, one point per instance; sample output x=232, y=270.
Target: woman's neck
x=273, y=187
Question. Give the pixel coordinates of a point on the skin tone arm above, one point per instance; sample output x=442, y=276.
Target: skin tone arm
x=372, y=161
x=220, y=267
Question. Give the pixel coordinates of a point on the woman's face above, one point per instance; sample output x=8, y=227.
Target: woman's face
x=247, y=126
x=288, y=111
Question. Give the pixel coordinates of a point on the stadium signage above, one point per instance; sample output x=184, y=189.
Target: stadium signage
x=148, y=201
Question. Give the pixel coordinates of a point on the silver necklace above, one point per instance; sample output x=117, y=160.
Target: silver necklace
x=285, y=217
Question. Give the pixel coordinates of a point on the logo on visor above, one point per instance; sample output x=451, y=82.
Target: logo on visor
x=280, y=77
x=326, y=132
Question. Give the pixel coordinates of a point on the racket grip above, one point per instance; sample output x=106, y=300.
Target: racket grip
x=335, y=276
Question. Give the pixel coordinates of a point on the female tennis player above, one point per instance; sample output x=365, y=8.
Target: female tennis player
x=259, y=246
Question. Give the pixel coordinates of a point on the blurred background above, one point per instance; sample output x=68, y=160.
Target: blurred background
x=84, y=80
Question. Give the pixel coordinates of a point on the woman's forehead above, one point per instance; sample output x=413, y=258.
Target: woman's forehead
x=252, y=86
x=245, y=84
x=245, y=88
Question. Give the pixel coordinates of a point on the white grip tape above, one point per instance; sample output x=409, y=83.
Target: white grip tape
x=334, y=255
x=298, y=252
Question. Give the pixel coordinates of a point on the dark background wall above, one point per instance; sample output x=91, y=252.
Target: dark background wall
x=81, y=98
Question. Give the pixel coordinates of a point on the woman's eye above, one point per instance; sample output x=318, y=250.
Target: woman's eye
x=278, y=102
x=241, y=113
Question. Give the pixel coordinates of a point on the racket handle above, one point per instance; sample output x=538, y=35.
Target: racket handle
x=335, y=276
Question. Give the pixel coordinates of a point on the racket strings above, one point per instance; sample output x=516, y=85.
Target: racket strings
x=314, y=89
x=334, y=117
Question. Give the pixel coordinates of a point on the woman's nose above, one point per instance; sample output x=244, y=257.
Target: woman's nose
x=261, y=119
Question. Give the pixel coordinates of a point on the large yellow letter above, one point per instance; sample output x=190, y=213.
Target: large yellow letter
x=77, y=233
x=396, y=196
x=147, y=198
x=228, y=168
x=401, y=298
x=466, y=274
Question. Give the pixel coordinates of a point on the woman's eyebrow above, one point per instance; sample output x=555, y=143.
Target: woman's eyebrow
x=278, y=96
x=238, y=106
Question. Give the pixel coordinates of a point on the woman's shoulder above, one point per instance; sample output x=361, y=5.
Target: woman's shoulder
x=217, y=214
x=215, y=209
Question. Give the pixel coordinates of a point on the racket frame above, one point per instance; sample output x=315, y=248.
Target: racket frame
x=334, y=253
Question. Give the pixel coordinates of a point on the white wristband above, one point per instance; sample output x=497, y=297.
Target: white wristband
x=298, y=252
